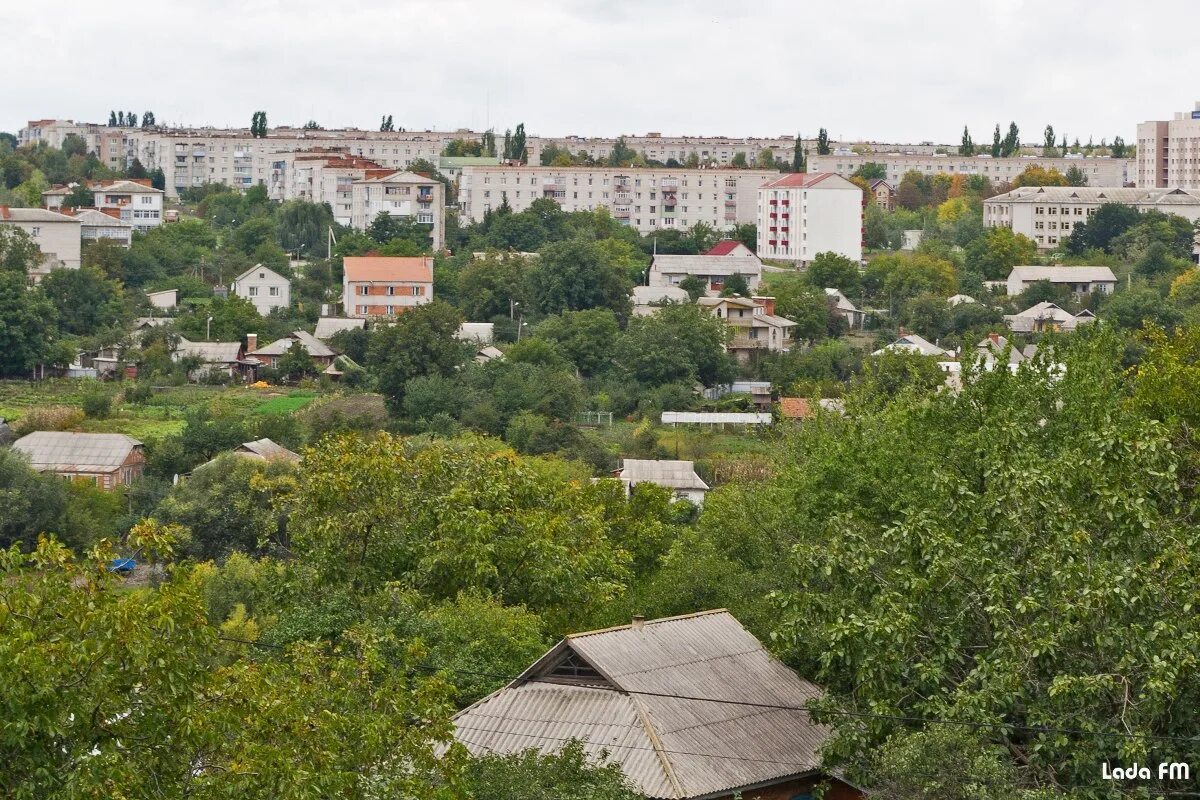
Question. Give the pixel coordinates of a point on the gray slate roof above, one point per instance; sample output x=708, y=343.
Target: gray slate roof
x=669, y=747
x=1099, y=194
x=267, y=450
x=312, y=344
x=1064, y=274
x=81, y=452
x=707, y=265
x=328, y=326
x=671, y=474
x=209, y=352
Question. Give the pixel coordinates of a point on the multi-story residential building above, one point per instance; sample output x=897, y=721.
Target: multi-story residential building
x=803, y=214
x=646, y=199
x=139, y=203
x=1099, y=171
x=56, y=235
x=884, y=192
x=401, y=194
x=1168, y=152
x=321, y=176
x=263, y=287
x=384, y=286
x=752, y=323
x=1048, y=214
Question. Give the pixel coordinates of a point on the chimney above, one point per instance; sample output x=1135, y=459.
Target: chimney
x=995, y=337
x=639, y=622
x=251, y=343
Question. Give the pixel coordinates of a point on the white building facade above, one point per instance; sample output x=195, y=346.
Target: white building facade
x=400, y=194
x=139, y=203
x=647, y=200
x=804, y=214
x=263, y=287
x=1048, y=214
x=56, y=235
x=1099, y=171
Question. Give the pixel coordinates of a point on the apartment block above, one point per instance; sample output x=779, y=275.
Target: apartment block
x=645, y=199
x=135, y=201
x=401, y=194
x=1168, y=152
x=1048, y=214
x=321, y=176
x=804, y=214
x=1099, y=171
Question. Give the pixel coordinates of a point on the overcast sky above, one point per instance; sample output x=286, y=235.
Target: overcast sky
x=883, y=70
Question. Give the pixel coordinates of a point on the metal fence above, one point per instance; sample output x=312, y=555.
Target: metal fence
x=594, y=418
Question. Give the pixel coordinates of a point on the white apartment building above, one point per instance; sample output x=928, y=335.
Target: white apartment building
x=1099, y=171
x=1048, y=214
x=401, y=194
x=139, y=203
x=645, y=199
x=1168, y=152
x=263, y=287
x=56, y=235
x=804, y=214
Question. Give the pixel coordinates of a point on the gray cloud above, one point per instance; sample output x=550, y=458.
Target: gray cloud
x=882, y=69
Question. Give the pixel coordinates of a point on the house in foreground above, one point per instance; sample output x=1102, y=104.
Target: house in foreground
x=265, y=288
x=678, y=476
x=226, y=358
x=688, y=707
x=107, y=459
x=321, y=354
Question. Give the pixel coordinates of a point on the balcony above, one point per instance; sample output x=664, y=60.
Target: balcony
x=425, y=199
x=746, y=343
x=773, y=201
x=787, y=202
x=773, y=215
x=623, y=198
x=621, y=213
x=731, y=203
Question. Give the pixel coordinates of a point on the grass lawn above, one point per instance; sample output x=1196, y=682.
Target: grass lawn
x=293, y=401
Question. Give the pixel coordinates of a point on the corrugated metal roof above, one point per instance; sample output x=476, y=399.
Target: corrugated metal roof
x=1063, y=274
x=209, y=352
x=267, y=450
x=671, y=474
x=675, y=746
x=82, y=452
x=313, y=345
x=707, y=265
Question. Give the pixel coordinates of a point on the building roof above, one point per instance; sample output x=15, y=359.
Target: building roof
x=414, y=269
x=312, y=344
x=96, y=218
x=209, y=352
x=267, y=450
x=877, y=182
x=803, y=408
x=630, y=690
x=260, y=268
x=400, y=176
x=125, y=187
x=912, y=343
x=1063, y=274
x=803, y=180
x=959, y=299
x=77, y=452
x=707, y=265
x=725, y=247
x=8, y=214
x=482, y=332
x=1097, y=195
x=671, y=474
x=327, y=327
x=843, y=302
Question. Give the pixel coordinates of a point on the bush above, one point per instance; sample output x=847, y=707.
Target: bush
x=47, y=418
x=97, y=404
x=139, y=393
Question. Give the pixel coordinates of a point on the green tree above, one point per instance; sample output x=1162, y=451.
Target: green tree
x=296, y=363
x=967, y=148
x=994, y=254
x=997, y=144
x=19, y=253
x=678, y=343
x=422, y=341
x=822, y=143
x=85, y=301
x=568, y=773
x=1012, y=141
x=34, y=503
x=27, y=327
x=831, y=270
x=110, y=687
x=584, y=337
x=799, y=163
x=695, y=286
x=870, y=170
x=736, y=284
x=575, y=275
x=1048, y=140
x=1075, y=176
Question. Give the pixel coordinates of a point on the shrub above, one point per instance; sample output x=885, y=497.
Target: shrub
x=139, y=393
x=97, y=404
x=48, y=418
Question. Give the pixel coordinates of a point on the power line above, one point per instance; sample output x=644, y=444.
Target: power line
x=781, y=707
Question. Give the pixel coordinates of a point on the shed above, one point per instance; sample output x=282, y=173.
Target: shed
x=678, y=476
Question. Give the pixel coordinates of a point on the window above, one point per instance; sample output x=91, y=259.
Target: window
x=273, y=291
x=254, y=291
x=35, y=231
